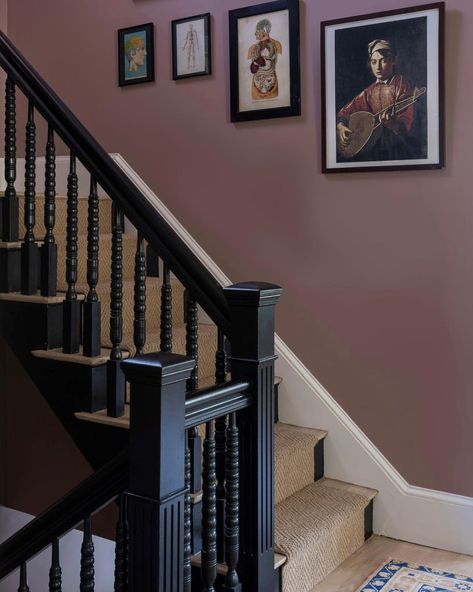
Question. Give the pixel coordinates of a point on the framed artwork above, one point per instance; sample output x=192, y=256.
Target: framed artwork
x=383, y=91
x=136, y=54
x=191, y=48
x=264, y=61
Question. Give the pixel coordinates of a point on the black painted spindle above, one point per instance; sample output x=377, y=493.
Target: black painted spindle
x=187, y=524
x=152, y=262
x=166, y=311
x=29, y=248
x=232, y=509
x=220, y=450
x=209, y=511
x=10, y=223
x=92, y=306
x=55, y=572
x=49, y=247
x=87, y=572
x=192, y=327
x=115, y=377
x=121, y=548
x=139, y=323
x=23, y=579
x=220, y=359
x=71, y=306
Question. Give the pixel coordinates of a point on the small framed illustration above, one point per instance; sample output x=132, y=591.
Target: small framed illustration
x=264, y=61
x=191, y=47
x=136, y=54
x=383, y=91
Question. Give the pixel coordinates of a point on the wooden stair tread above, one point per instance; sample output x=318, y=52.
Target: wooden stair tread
x=196, y=560
x=59, y=356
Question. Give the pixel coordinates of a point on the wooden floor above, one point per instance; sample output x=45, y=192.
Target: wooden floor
x=354, y=572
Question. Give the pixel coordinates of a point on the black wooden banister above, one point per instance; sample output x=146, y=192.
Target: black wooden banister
x=213, y=402
x=86, y=498
x=131, y=201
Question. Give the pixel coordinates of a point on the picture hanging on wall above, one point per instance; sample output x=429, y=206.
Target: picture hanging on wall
x=191, y=48
x=264, y=61
x=136, y=54
x=382, y=91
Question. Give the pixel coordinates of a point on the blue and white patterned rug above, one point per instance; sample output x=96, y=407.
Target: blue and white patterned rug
x=400, y=576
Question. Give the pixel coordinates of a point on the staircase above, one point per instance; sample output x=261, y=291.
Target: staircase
x=164, y=380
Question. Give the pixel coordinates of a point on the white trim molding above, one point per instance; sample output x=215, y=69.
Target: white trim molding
x=402, y=511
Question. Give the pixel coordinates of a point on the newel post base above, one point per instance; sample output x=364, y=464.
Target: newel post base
x=252, y=309
x=155, y=502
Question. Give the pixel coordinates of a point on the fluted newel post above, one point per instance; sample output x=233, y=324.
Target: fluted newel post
x=29, y=248
x=92, y=307
x=87, y=571
x=121, y=549
x=55, y=572
x=115, y=377
x=49, y=247
x=71, y=306
x=232, y=507
x=252, y=308
x=23, y=579
x=209, y=511
x=157, y=489
x=166, y=311
x=10, y=223
x=139, y=322
x=220, y=446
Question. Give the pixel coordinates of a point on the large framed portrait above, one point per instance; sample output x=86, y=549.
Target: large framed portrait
x=136, y=54
x=191, y=47
x=264, y=61
x=382, y=91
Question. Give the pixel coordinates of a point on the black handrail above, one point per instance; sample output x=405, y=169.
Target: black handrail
x=216, y=401
x=131, y=201
x=88, y=497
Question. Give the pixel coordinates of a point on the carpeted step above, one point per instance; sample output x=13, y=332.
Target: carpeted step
x=294, y=458
x=207, y=344
x=317, y=528
x=153, y=304
x=105, y=258
x=60, y=227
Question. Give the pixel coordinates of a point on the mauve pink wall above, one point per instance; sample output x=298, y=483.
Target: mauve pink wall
x=377, y=268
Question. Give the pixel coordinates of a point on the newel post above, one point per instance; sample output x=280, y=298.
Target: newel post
x=155, y=500
x=252, y=306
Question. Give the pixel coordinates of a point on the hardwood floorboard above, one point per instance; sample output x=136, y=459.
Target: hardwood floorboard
x=379, y=550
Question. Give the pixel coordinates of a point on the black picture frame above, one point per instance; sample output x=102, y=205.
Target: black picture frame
x=136, y=73
x=201, y=27
x=248, y=85
x=401, y=135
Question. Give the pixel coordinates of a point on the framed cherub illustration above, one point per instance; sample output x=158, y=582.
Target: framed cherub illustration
x=383, y=90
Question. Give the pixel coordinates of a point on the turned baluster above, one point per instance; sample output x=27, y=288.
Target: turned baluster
x=49, y=247
x=29, y=248
x=152, y=262
x=139, y=323
x=187, y=524
x=55, y=572
x=209, y=511
x=92, y=306
x=121, y=549
x=166, y=311
x=87, y=571
x=232, y=508
x=10, y=230
x=192, y=350
x=115, y=377
x=220, y=445
x=71, y=306
x=23, y=579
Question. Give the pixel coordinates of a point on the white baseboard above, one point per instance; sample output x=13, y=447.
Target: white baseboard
x=402, y=511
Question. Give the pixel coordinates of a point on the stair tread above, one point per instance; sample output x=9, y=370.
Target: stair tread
x=294, y=458
x=317, y=528
x=279, y=561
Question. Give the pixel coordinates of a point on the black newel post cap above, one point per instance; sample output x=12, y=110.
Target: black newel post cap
x=253, y=294
x=159, y=368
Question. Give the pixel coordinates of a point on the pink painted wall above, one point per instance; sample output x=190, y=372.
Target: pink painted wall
x=377, y=268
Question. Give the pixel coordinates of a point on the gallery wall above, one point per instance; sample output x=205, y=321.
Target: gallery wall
x=376, y=267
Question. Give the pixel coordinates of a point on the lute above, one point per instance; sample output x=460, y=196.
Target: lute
x=367, y=127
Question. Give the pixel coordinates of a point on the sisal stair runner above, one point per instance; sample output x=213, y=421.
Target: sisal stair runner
x=319, y=523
